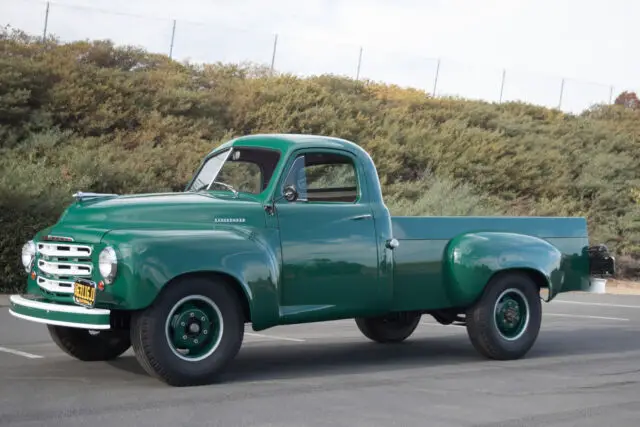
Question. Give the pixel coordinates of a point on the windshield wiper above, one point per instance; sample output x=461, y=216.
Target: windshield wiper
x=230, y=188
x=227, y=186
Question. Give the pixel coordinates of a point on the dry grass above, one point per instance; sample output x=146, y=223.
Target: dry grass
x=623, y=287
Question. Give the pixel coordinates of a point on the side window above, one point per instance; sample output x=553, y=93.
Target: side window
x=297, y=179
x=324, y=177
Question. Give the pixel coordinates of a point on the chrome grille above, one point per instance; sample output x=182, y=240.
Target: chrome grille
x=65, y=250
x=58, y=286
x=64, y=269
x=59, y=264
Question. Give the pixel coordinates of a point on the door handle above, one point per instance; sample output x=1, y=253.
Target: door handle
x=392, y=243
x=359, y=217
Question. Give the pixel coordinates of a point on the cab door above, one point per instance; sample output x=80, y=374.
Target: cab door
x=328, y=239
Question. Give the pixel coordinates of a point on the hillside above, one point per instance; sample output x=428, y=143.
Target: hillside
x=89, y=116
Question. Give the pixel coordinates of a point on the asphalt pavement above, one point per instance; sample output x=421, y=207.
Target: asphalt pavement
x=584, y=370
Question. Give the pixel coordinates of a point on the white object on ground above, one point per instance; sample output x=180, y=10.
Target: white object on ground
x=597, y=285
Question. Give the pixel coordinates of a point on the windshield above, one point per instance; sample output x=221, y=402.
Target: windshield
x=240, y=169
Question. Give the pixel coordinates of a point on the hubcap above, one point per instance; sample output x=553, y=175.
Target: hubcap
x=511, y=314
x=194, y=328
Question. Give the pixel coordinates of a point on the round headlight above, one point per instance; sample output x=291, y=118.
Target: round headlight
x=108, y=264
x=28, y=255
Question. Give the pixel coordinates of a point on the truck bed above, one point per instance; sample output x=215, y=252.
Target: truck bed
x=418, y=270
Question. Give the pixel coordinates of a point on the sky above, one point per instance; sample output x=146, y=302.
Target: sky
x=534, y=44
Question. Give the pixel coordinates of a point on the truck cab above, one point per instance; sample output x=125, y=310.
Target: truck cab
x=286, y=229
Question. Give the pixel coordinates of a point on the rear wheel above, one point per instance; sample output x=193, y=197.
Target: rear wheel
x=190, y=333
x=90, y=346
x=392, y=328
x=504, y=324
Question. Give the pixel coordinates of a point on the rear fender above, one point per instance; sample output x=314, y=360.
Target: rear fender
x=472, y=259
x=149, y=260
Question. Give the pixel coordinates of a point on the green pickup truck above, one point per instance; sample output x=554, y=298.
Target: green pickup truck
x=287, y=229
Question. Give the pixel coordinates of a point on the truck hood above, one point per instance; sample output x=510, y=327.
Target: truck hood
x=89, y=220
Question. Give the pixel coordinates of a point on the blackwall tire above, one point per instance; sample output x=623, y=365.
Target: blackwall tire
x=90, y=346
x=505, y=323
x=190, y=333
x=393, y=328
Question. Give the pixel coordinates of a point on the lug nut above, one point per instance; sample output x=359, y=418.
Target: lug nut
x=195, y=341
x=205, y=332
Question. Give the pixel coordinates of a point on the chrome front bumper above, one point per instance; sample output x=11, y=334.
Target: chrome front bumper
x=29, y=308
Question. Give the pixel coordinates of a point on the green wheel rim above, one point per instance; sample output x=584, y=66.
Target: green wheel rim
x=194, y=328
x=511, y=314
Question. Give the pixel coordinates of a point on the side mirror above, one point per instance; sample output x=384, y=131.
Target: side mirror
x=290, y=193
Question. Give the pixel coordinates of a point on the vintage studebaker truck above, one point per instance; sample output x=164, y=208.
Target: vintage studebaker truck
x=287, y=229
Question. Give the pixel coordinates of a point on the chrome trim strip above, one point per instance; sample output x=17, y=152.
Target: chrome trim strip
x=64, y=250
x=52, y=238
x=57, y=308
x=80, y=196
x=55, y=285
x=89, y=326
x=65, y=268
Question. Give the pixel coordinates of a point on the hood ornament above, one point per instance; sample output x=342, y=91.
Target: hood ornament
x=80, y=196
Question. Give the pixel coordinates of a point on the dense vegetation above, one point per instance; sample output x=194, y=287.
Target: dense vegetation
x=90, y=116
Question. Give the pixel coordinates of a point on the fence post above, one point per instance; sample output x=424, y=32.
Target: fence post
x=611, y=95
x=273, y=54
x=359, y=65
x=173, y=36
x=561, y=93
x=435, y=81
x=504, y=73
x=46, y=24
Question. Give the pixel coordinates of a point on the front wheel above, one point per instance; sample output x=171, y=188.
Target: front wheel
x=190, y=333
x=392, y=328
x=504, y=324
x=90, y=346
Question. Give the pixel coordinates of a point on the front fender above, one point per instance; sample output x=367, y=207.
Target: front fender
x=471, y=260
x=149, y=259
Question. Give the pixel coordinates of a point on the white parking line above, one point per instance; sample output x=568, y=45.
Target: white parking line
x=600, y=304
x=20, y=353
x=584, y=316
x=273, y=337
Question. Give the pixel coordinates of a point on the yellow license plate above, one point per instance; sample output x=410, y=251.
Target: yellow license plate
x=84, y=293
